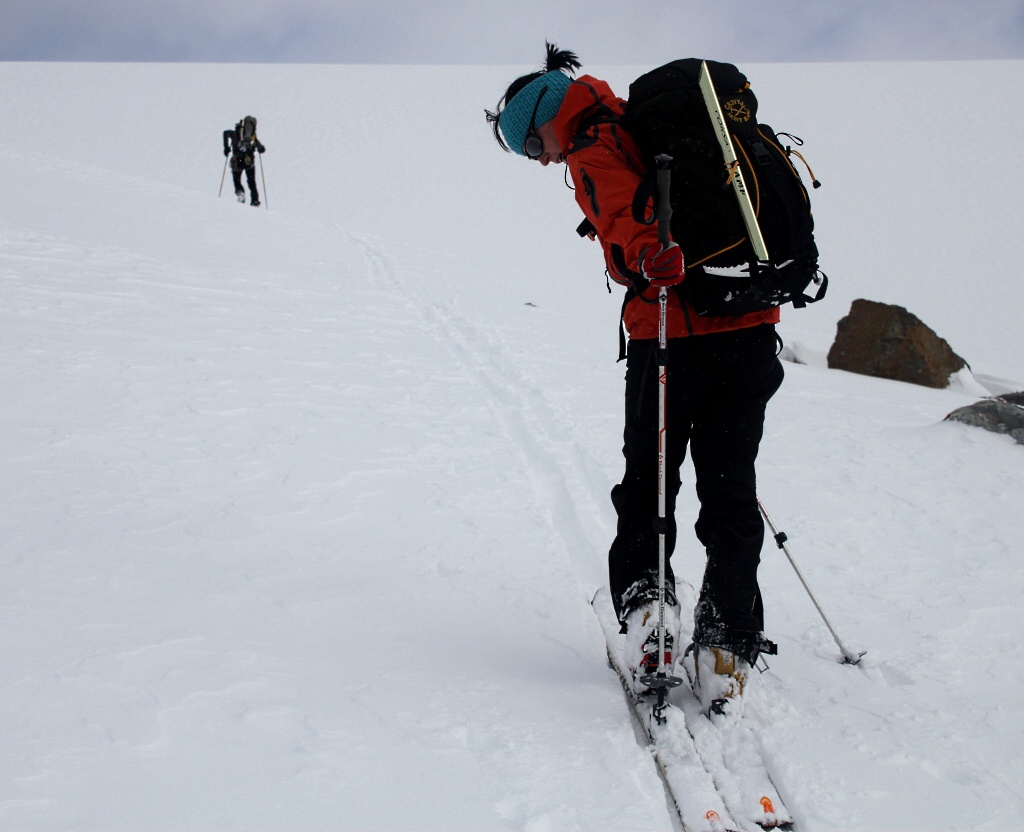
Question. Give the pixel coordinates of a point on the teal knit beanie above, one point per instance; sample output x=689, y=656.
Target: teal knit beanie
x=514, y=120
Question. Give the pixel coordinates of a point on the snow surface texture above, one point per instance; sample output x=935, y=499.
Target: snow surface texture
x=304, y=506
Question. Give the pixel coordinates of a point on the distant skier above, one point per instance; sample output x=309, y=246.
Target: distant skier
x=241, y=143
x=721, y=373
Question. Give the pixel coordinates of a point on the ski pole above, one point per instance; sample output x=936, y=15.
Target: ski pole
x=262, y=177
x=780, y=540
x=223, y=174
x=661, y=681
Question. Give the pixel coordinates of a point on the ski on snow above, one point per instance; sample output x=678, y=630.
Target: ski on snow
x=714, y=771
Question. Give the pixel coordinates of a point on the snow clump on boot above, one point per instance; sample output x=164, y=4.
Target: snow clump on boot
x=640, y=652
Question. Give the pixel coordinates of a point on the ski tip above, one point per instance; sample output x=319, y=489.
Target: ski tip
x=768, y=820
x=715, y=823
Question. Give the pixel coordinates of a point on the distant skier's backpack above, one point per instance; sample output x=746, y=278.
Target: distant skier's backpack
x=666, y=113
x=246, y=133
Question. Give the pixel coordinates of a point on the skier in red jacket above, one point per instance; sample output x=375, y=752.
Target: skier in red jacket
x=721, y=373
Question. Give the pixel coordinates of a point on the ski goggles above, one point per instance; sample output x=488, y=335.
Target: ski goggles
x=533, y=145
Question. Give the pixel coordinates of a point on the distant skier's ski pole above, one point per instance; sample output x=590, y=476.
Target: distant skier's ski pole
x=661, y=681
x=219, y=190
x=265, y=200
x=780, y=539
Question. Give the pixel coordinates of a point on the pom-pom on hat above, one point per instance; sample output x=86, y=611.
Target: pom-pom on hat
x=545, y=94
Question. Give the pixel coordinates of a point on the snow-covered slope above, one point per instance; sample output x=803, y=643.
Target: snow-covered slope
x=304, y=505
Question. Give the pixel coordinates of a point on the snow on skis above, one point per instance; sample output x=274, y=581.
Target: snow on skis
x=712, y=768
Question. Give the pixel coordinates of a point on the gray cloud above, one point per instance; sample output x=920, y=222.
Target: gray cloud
x=480, y=32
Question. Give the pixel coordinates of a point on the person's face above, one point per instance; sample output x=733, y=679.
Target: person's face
x=552, y=153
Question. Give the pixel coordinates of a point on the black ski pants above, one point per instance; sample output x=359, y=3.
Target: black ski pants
x=718, y=386
x=237, y=166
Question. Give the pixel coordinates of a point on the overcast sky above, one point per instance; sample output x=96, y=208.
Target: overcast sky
x=489, y=32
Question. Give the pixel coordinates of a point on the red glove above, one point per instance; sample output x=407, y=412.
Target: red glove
x=663, y=267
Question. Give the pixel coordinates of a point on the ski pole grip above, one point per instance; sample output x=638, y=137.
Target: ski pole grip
x=664, y=163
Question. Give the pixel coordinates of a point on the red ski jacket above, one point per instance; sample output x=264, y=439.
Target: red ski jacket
x=606, y=166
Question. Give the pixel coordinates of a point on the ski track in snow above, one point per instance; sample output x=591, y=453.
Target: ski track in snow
x=565, y=485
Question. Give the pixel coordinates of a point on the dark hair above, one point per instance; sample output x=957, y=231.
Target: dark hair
x=557, y=60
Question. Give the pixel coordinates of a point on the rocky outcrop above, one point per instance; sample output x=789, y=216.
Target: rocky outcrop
x=1002, y=414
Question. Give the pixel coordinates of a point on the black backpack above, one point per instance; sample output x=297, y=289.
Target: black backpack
x=666, y=113
x=246, y=133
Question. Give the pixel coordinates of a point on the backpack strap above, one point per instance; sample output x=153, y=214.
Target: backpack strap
x=587, y=130
x=773, y=167
x=630, y=294
x=638, y=285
